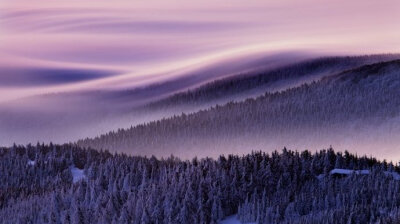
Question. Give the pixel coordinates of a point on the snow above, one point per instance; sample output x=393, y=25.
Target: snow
x=233, y=220
x=320, y=177
x=348, y=172
x=77, y=174
x=395, y=175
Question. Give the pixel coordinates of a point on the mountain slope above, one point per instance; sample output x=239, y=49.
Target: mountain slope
x=92, y=113
x=242, y=86
x=336, y=110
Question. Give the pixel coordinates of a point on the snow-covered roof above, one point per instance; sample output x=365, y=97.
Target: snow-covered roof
x=395, y=175
x=348, y=171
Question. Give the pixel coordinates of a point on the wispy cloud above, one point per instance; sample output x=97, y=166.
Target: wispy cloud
x=155, y=37
x=36, y=77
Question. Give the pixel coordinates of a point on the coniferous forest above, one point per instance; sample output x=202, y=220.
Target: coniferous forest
x=363, y=102
x=199, y=112
x=132, y=175
x=40, y=184
x=135, y=176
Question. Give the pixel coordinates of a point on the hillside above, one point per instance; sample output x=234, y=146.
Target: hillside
x=37, y=186
x=358, y=108
x=241, y=86
x=92, y=113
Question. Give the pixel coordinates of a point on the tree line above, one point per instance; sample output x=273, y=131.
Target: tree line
x=280, y=187
x=353, y=102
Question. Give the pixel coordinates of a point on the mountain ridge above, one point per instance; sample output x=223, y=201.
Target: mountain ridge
x=301, y=112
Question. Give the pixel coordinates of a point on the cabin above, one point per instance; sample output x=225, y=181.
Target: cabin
x=340, y=173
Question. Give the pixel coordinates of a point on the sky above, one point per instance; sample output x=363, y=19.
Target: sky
x=48, y=46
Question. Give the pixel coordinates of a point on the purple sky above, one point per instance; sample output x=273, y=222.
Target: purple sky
x=116, y=43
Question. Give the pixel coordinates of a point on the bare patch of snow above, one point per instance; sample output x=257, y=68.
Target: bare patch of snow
x=77, y=174
x=31, y=162
x=320, y=177
x=233, y=220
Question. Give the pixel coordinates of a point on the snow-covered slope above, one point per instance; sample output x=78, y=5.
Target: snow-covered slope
x=357, y=111
x=90, y=113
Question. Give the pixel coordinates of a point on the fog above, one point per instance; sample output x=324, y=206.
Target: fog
x=88, y=112
x=75, y=69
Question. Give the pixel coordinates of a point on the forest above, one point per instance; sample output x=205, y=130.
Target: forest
x=199, y=112
x=37, y=186
x=360, y=102
x=234, y=86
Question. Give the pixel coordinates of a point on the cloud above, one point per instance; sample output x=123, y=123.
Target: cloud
x=157, y=37
x=142, y=26
x=73, y=20
x=36, y=77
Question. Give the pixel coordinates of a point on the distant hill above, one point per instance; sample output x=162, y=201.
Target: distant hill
x=358, y=108
x=242, y=86
x=92, y=113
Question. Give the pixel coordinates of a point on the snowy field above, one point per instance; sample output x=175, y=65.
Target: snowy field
x=232, y=220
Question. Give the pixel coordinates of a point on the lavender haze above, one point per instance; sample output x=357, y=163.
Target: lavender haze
x=144, y=38
x=73, y=50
